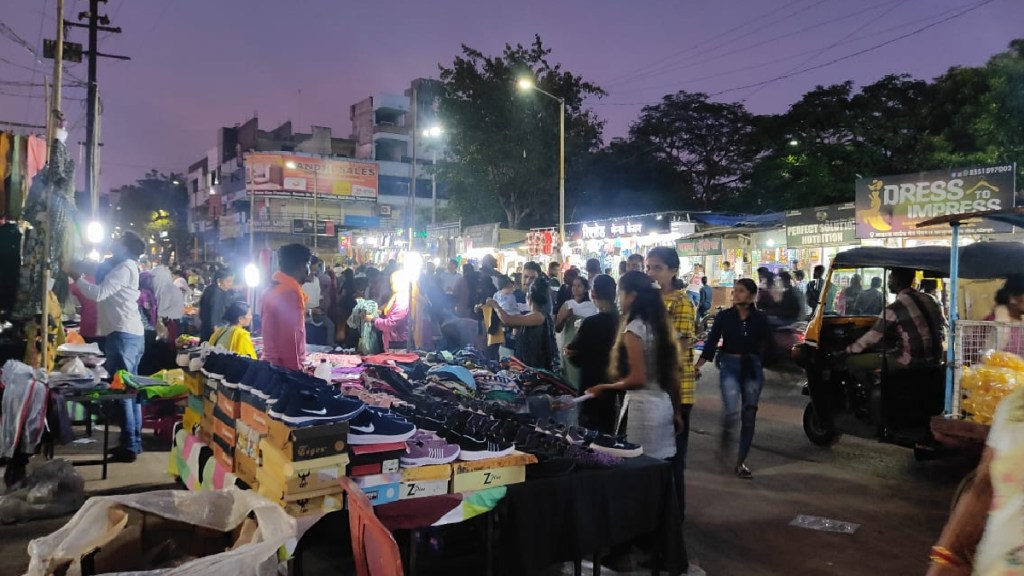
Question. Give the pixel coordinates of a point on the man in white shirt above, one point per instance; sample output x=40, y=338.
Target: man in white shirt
x=450, y=277
x=170, y=300
x=116, y=293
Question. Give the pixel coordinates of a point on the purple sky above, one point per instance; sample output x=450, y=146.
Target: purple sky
x=200, y=64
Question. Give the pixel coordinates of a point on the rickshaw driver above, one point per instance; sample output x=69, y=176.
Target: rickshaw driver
x=908, y=334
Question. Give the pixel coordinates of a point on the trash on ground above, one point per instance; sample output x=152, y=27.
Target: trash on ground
x=824, y=524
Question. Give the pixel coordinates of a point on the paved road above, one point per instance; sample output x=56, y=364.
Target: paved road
x=739, y=527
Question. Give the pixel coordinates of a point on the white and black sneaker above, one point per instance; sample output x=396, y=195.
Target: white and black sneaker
x=474, y=446
x=309, y=407
x=616, y=446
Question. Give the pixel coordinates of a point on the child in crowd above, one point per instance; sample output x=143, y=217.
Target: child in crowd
x=506, y=297
x=367, y=343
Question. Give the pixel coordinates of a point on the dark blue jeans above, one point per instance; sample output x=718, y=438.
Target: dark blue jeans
x=741, y=380
x=123, y=352
x=679, y=460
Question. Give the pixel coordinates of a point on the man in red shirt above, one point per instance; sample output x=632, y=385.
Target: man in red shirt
x=284, y=309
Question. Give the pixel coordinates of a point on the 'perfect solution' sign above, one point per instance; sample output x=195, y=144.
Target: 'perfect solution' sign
x=891, y=206
x=833, y=225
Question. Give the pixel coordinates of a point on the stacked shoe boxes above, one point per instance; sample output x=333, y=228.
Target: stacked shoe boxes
x=225, y=415
x=375, y=469
x=299, y=467
x=206, y=422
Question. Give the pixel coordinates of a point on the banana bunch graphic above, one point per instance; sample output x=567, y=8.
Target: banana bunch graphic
x=873, y=217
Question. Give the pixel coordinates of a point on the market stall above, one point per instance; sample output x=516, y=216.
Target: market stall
x=614, y=240
x=508, y=246
x=815, y=235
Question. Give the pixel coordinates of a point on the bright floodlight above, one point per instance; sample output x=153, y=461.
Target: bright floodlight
x=412, y=264
x=291, y=165
x=794, y=143
x=94, y=255
x=94, y=232
x=526, y=83
x=252, y=275
x=433, y=132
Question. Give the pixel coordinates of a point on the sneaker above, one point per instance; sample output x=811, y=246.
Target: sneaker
x=308, y=407
x=616, y=446
x=182, y=359
x=215, y=365
x=587, y=458
x=236, y=369
x=744, y=473
x=370, y=427
x=581, y=436
x=195, y=361
x=422, y=453
x=474, y=447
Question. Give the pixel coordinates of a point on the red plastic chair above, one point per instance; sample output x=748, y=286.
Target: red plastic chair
x=374, y=548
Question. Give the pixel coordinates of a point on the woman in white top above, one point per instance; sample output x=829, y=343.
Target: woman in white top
x=647, y=360
x=567, y=322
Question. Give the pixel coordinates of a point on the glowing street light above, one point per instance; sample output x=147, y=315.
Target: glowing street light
x=94, y=232
x=252, y=275
x=527, y=84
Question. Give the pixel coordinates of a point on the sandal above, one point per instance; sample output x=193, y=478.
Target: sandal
x=743, y=472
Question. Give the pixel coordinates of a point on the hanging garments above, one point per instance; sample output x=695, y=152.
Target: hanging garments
x=23, y=414
x=5, y=167
x=35, y=158
x=57, y=183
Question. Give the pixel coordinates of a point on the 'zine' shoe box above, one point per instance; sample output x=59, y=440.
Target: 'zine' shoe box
x=224, y=427
x=194, y=383
x=309, y=442
x=246, y=468
x=421, y=481
x=380, y=488
x=491, y=473
x=305, y=476
x=227, y=401
x=248, y=440
x=370, y=459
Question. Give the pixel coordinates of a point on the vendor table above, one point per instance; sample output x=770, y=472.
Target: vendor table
x=88, y=401
x=564, y=518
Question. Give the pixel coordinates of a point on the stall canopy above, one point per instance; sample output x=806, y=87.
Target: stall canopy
x=977, y=261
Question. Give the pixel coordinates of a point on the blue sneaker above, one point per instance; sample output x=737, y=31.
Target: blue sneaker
x=304, y=407
x=236, y=369
x=372, y=427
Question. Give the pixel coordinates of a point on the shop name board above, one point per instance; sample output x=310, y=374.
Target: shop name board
x=699, y=247
x=305, y=227
x=891, y=206
x=290, y=175
x=613, y=230
x=821, y=226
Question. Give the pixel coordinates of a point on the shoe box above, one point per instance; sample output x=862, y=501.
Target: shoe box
x=246, y=468
x=309, y=504
x=247, y=440
x=228, y=402
x=254, y=416
x=294, y=478
x=308, y=442
x=224, y=427
x=194, y=381
x=190, y=419
x=380, y=488
x=223, y=453
x=421, y=481
x=371, y=459
x=195, y=402
x=490, y=473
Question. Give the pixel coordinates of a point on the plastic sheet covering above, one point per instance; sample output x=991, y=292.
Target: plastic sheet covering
x=224, y=510
x=51, y=489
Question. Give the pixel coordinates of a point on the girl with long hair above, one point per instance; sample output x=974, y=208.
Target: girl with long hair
x=647, y=360
x=233, y=335
x=535, y=342
x=744, y=331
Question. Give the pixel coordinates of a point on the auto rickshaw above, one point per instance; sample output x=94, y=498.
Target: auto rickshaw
x=900, y=407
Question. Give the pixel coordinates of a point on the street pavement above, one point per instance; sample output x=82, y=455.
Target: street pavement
x=742, y=526
x=738, y=527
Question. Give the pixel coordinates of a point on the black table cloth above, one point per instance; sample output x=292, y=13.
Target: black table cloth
x=565, y=518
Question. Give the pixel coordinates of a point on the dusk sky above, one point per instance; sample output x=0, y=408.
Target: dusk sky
x=200, y=64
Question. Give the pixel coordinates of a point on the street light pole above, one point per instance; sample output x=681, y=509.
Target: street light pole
x=316, y=207
x=433, y=189
x=529, y=84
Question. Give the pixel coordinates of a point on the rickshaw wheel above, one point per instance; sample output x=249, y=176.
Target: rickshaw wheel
x=963, y=488
x=818, y=433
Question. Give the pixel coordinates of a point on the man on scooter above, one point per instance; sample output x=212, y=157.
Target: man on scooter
x=909, y=333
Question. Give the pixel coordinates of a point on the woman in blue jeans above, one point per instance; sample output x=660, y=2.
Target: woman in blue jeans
x=744, y=332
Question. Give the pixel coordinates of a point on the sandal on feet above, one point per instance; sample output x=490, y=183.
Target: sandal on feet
x=743, y=472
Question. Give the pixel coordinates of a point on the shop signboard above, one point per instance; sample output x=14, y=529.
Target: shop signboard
x=269, y=174
x=365, y=222
x=481, y=235
x=833, y=225
x=891, y=206
x=690, y=247
x=620, y=228
x=304, y=227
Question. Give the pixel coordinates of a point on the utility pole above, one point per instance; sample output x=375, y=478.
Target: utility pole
x=412, y=183
x=54, y=120
x=96, y=23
